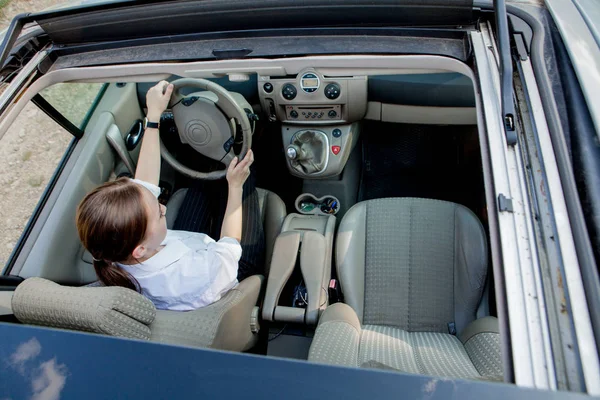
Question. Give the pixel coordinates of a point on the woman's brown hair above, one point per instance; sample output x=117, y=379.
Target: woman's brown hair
x=111, y=222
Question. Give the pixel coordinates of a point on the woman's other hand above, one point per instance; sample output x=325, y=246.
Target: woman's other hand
x=238, y=172
x=157, y=99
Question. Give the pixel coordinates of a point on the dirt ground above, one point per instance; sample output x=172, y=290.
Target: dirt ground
x=15, y=7
x=29, y=152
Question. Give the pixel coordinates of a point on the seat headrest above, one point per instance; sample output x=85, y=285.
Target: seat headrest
x=114, y=311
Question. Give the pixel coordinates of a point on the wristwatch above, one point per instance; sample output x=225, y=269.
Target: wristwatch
x=148, y=124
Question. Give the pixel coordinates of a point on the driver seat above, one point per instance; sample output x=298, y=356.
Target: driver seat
x=272, y=210
x=228, y=324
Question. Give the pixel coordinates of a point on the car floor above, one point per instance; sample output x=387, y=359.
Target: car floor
x=399, y=160
x=427, y=161
x=271, y=167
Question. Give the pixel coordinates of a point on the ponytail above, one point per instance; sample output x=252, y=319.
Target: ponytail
x=111, y=221
x=111, y=275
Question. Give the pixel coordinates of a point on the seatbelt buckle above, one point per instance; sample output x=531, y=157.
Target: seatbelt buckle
x=335, y=292
x=452, y=328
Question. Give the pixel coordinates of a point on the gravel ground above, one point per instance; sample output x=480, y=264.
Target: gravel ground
x=29, y=152
x=15, y=7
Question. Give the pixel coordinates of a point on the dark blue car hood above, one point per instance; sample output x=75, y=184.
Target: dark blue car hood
x=55, y=364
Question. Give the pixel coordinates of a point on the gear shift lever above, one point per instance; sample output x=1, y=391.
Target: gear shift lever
x=308, y=152
x=295, y=152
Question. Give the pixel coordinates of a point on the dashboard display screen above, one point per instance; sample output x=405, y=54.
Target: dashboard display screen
x=310, y=82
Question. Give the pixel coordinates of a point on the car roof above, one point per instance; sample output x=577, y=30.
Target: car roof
x=121, y=20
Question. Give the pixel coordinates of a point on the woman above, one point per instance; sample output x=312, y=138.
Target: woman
x=123, y=226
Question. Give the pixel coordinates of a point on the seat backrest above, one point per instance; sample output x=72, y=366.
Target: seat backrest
x=114, y=311
x=272, y=210
x=416, y=264
x=226, y=324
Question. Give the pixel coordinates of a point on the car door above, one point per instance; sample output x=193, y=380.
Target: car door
x=64, y=128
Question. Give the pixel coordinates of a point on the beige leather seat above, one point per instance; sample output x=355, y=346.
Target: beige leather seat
x=412, y=272
x=229, y=324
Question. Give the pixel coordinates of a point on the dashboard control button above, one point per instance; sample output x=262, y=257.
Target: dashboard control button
x=332, y=91
x=335, y=149
x=268, y=87
x=294, y=114
x=336, y=133
x=289, y=91
x=332, y=114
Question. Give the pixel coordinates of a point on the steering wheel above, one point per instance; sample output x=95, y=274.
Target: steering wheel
x=203, y=121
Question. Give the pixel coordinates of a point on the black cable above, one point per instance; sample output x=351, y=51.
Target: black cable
x=278, y=333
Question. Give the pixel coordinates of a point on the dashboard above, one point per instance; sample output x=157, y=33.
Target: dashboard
x=312, y=98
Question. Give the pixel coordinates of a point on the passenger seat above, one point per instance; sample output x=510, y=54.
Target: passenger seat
x=412, y=272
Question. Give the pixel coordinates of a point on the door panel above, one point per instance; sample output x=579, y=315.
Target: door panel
x=53, y=249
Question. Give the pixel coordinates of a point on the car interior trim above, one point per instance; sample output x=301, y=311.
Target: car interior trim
x=265, y=44
x=158, y=71
x=408, y=114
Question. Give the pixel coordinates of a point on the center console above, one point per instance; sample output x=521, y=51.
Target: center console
x=319, y=152
x=300, y=271
x=320, y=113
x=312, y=97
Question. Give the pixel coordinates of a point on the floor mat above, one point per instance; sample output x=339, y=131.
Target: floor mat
x=271, y=165
x=428, y=161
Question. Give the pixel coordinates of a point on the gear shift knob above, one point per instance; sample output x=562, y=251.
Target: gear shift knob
x=293, y=152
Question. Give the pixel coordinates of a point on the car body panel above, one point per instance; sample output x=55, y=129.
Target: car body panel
x=583, y=49
x=80, y=365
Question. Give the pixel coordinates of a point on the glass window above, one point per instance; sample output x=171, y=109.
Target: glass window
x=74, y=101
x=30, y=152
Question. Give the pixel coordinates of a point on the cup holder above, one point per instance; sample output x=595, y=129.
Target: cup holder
x=308, y=204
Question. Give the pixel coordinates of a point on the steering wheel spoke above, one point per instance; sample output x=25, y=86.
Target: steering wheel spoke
x=176, y=97
x=228, y=158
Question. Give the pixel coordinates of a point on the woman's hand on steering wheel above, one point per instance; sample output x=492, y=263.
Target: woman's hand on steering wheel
x=157, y=99
x=238, y=172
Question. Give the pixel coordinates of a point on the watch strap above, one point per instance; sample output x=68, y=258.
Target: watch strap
x=148, y=124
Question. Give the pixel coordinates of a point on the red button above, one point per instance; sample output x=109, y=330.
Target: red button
x=335, y=149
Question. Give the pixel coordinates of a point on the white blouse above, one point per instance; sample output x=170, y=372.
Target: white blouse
x=192, y=270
